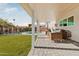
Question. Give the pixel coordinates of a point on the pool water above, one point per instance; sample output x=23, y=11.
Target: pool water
x=28, y=33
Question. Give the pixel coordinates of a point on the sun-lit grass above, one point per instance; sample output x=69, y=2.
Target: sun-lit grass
x=15, y=45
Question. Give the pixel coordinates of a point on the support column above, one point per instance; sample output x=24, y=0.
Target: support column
x=12, y=30
x=38, y=27
x=3, y=28
x=33, y=29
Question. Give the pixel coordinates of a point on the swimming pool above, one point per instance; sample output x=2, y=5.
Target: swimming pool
x=27, y=33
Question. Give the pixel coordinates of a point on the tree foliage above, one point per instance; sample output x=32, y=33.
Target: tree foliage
x=5, y=23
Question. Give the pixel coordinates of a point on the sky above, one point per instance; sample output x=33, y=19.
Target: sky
x=10, y=11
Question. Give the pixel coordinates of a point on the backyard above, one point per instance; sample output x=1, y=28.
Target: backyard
x=15, y=45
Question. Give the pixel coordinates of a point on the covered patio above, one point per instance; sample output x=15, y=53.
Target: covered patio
x=49, y=15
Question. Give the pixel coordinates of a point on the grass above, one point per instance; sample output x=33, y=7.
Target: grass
x=15, y=45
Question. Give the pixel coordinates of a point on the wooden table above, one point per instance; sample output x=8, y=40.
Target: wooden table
x=57, y=36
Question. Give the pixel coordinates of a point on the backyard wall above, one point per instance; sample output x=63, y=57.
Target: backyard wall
x=74, y=29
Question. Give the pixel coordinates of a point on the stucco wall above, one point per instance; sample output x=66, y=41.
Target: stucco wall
x=74, y=29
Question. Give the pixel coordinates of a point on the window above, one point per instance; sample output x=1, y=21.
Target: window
x=61, y=23
x=71, y=21
x=67, y=22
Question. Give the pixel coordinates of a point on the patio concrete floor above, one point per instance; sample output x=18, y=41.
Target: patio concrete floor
x=46, y=47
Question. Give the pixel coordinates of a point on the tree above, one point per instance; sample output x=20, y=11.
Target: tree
x=5, y=24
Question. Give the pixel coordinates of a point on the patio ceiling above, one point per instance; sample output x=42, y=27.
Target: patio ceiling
x=48, y=11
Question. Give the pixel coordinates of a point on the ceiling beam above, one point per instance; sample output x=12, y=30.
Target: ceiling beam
x=27, y=8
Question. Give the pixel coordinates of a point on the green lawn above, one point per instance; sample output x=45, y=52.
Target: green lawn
x=15, y=45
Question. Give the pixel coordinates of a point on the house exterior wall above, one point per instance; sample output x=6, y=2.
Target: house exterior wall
x=74, y=29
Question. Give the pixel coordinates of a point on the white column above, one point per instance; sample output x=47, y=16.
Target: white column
x=33, y=29
x=38, y=27
x=8, y=30
x=3, y=30
x=12, y=30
